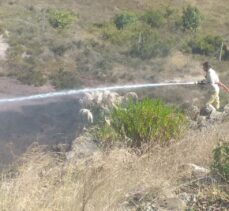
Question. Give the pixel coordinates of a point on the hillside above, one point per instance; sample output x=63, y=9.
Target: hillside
x=151, y=149
x=77, y=56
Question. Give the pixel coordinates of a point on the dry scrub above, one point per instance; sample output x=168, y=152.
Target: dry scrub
x=46, y=181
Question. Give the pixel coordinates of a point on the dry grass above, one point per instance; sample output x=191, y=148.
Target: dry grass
x=43, y=181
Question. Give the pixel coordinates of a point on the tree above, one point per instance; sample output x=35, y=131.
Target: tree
x=191, y=18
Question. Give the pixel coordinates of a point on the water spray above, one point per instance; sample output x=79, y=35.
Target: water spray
x=85, y=90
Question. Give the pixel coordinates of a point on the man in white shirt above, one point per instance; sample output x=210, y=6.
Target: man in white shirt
x=212, y=81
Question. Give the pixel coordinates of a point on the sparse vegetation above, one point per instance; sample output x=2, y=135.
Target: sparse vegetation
x=154, y=18
x=31, y=77
x=208, y=45
x=64, y=80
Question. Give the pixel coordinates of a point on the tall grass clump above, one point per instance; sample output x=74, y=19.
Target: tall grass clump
x=221, y=161
x=146, y=122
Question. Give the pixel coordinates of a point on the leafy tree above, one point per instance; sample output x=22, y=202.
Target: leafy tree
x=191, y=18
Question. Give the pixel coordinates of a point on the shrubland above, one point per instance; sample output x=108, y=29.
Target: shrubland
x=44, y=38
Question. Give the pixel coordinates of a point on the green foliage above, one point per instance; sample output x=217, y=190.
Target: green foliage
x=191, y=18
x=148, y=121
x=138, y=35
x=119, y=37
x=64, y=80
x=61, y=19
x=150, y=44
x=221, y=160
x=124, y=18
x=154, y=18
x=208, y=45
x=31, y=77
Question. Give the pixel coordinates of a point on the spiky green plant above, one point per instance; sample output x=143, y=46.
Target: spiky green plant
x=148, y=121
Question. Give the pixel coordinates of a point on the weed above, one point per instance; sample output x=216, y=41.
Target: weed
x=221, y=160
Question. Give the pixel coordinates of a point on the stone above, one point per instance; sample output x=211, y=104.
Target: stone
x=173, y=204
x=226, y=108
x=193, y=112
x=83, y=146
x=207, y=110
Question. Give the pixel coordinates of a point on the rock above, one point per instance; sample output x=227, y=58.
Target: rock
x=194, y=170
x=226, y=108
x=83, y=146
x=193, y=112
x=216, y=116
x=207, y=110
x=173, y=204
x=202, y=121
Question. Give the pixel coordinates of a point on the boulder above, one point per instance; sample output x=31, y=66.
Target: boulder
x=226, y=108
x=207, y=110
x=83, y=146
x=193, y=112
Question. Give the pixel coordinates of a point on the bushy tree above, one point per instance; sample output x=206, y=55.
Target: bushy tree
x=191, y=18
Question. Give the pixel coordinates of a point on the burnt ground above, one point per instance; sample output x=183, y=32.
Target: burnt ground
x=47, y=121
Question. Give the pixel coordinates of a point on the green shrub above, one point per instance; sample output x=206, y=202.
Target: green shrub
x=191, y=18
x=221, y=160
x=61, y=19
x=149, y=44
x=31, y=77
x=64, y=80
x=148, y=121
x=208, y=45
x=125, y=18
x=154, y=18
